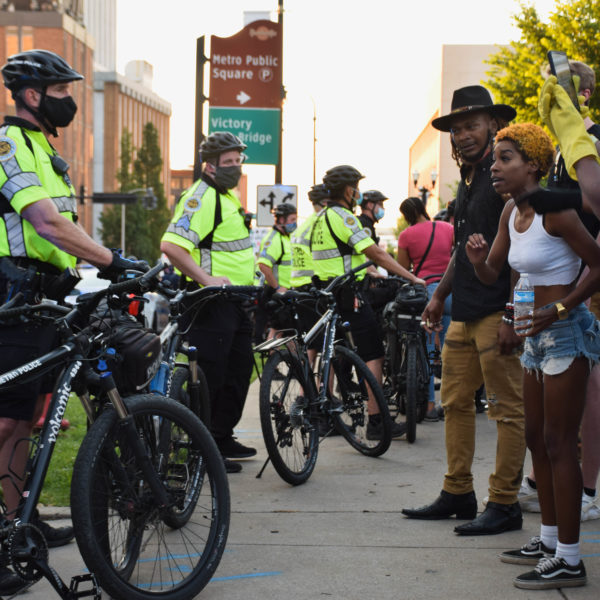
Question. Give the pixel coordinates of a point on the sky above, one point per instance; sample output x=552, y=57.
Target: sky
x=364, y=68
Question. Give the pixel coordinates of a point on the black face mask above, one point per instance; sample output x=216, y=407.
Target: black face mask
x=59, y=112
x=228, y=177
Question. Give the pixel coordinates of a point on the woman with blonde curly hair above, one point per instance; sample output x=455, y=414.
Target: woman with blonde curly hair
x=561, y=341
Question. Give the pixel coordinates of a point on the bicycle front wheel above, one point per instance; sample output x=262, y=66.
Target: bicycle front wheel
x=197, y=401
x=123, y=535
x=350, y=388
x=289, y=429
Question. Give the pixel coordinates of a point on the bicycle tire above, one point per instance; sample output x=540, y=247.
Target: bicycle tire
x=409, y=368
x=179, y=391
x=423, y=375
x=121, y=532
x=290, y=430
x=352, y=379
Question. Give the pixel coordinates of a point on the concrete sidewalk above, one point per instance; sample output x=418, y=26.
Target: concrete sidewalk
x=341, y=535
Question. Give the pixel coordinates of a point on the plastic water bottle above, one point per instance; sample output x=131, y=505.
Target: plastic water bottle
x=158, y=385
x=523, y=300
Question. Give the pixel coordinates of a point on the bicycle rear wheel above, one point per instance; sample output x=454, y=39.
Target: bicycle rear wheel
x=351, y=384
x=411, y=377
x=289, y=427
x=123, y=535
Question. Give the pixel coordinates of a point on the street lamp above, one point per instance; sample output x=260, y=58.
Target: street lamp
x=423, y=190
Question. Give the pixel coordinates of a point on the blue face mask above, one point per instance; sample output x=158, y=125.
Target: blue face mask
x=360, y=197
x=378, y=213
x=289, y=227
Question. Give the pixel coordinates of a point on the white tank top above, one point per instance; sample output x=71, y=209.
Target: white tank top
x=547, y=259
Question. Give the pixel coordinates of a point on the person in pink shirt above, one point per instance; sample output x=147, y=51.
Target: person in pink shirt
x=426, y=245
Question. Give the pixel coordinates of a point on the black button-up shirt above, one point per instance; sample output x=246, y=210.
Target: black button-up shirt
x=478, y=210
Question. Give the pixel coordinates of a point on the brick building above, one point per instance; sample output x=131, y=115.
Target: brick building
x=59, y=30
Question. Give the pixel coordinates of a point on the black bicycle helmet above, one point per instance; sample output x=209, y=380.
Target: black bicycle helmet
x=284, y=209
x=318, y=194
x=338, y=177
x=217, y=143
x=37, y=68
x=373, y=196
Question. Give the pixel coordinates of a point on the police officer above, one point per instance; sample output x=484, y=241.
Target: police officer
x=208, y=241
x=302, y=263
x=372, y=211
x=275, y=253
x=338, y=244
x=39, y=240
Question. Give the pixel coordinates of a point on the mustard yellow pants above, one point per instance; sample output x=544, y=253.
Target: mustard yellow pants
x=471, y=356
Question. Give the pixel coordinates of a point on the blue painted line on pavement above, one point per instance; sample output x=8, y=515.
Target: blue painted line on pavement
x=248, y=576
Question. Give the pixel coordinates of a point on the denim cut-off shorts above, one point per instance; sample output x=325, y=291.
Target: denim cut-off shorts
x=553, y=350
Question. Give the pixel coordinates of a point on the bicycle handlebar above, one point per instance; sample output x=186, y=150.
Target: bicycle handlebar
x=11, y=313
x=347, y=275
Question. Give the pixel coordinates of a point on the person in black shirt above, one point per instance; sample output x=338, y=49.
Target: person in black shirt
x=480, y=347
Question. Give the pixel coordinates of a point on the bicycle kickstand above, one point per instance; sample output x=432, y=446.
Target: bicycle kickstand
x=258, y=476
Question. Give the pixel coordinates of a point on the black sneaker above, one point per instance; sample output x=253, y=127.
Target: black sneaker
x=432, y=416
x=55, y=536
x=231, y=448
x=11, y=583
x=552, y=573
x=529, y=554
x=231, y=466
x=375, y=430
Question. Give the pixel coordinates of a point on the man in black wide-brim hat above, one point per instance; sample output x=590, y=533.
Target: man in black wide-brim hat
x=480, y=345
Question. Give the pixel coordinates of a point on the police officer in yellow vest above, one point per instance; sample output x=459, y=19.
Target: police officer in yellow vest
x=208, y=241
x=302, y=263
x=39, y=240
x=339, y=243
x=275, y=253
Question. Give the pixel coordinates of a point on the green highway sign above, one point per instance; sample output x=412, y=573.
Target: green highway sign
x=258, y=128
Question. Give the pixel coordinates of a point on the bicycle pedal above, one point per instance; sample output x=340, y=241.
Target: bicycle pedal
x=79, y=579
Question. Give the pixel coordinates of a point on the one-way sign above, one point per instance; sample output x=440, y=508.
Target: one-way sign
x=268, y=197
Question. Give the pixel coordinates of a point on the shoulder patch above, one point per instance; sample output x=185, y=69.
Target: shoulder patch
x=350, y=221
x=8, y=148
x=184, y=222
x=192, y=204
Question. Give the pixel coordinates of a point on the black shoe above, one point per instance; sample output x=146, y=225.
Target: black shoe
x=375, y=430
x=10, y=582
x=552, y=573
x=231, y=466
x=496, y=518
x=440, y=412
x=55, y=536
x=231, y=448
x=464, y=506
x=432, y=416
x=529, y=554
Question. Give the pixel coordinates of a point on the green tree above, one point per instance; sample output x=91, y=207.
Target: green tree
x=515, y=76
x=144, y=225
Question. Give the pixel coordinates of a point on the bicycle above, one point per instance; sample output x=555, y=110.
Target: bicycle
x=180, y=376
x=407, y=365
x=294, y=397
x=149, y=495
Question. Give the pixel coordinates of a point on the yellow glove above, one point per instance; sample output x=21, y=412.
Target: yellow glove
x=566, y=123
x=545, y=100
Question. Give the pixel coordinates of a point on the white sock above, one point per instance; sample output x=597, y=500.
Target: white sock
x=549, y=535
x=569, y=552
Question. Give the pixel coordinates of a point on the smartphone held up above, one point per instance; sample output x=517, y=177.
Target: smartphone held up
x=559, y=65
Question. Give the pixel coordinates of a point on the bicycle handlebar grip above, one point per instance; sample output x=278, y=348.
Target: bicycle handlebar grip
x=137, y=283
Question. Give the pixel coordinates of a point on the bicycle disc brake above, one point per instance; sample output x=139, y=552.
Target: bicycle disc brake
x=26, y=546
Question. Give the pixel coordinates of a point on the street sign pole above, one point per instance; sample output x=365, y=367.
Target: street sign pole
x=279, y=166
x=200, y=100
